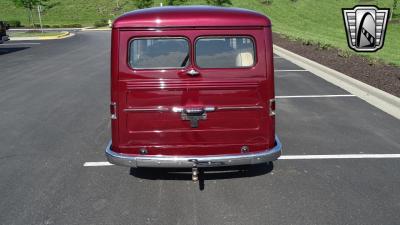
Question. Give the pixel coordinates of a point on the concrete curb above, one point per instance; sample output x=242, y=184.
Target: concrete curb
x=96, y=29
x=63, y=35
x=44, y=29
x=374, y=96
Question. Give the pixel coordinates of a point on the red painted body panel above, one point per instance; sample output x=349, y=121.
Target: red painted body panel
x=154, y=93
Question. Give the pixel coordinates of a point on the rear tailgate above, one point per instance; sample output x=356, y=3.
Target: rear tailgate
x=218, y=111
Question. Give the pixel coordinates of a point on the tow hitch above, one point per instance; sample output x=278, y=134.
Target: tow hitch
x=195, y=170
x=195, y=174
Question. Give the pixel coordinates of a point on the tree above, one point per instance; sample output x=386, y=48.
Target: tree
x=46, y=5
x=120, y=4
x=176, y=2
x=141, y=4
x=266, y=2
x=31, y=5
x=119, y=7
x=219, y=2
x=395, y=5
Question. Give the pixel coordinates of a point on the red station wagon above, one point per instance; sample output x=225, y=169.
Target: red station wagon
x=192, y=87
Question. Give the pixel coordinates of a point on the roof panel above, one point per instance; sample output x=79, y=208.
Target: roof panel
x=189, y=16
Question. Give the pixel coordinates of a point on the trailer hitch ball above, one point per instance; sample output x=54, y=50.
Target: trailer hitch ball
x=195, y=170
x=195, y=174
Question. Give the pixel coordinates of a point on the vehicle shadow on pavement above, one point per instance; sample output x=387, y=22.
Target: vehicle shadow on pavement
x=7, y=50
x=214, y=173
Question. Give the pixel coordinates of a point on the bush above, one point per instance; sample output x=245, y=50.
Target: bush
x=142, y=4
x=219, y=2
x=374, y=62
x=266, y=2
x=307, y=42
x=324, y=46
x=176, y=2
x=14, y=23
x=101, y=23
x=37, y=25
x=55, y=26
x=344, y=53
x=73, y=25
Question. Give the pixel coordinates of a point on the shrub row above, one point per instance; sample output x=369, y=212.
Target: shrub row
x=17, y=23
x=75, y=25
x=14, y=23
x=101, y=23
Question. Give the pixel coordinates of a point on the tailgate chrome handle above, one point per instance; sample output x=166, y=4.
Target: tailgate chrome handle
x=194, y=111
x=200, y=110
x=192, y=72
x=194, y=114
x=210, y=109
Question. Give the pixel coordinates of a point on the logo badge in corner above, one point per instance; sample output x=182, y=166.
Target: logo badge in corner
x=365, y=27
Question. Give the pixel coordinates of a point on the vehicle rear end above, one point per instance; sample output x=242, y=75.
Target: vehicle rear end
x=184, y=97
x=3, y=32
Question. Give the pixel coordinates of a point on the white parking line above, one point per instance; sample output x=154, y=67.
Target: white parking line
x=298, y=157
x=302, y=70
x=313, y=96
x=21, y=43
x=87, y=164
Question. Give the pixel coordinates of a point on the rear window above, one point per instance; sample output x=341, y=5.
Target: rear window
x=159, y=53
x=225, y=52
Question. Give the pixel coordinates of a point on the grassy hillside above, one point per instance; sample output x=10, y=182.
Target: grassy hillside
x=322, y=22
x=309, y=20
x=319, y=20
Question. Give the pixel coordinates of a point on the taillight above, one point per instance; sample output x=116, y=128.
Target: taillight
x=113, y=110
x=272, y=107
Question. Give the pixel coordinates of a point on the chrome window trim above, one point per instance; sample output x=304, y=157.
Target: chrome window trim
x=158, y=37
x=226, y=36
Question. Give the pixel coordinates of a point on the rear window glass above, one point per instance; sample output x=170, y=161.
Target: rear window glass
x=225, y=52
x=153, y=53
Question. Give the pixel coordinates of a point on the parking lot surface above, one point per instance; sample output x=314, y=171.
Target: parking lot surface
x=54, y=98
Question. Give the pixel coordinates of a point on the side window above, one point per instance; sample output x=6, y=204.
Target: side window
x=225, y=52
x=159, y=53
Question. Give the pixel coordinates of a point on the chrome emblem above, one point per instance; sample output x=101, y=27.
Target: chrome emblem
x=365, y=27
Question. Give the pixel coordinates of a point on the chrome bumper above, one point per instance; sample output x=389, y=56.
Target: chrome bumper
x=201, y=161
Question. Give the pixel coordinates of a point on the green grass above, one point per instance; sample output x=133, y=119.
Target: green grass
x=321, y=22
x=312, y=21
x=34, y=34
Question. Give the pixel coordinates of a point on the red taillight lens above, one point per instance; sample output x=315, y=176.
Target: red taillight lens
x=272, y=107
x=113, y=110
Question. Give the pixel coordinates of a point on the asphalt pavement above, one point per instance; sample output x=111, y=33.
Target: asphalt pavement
x=54, y=98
